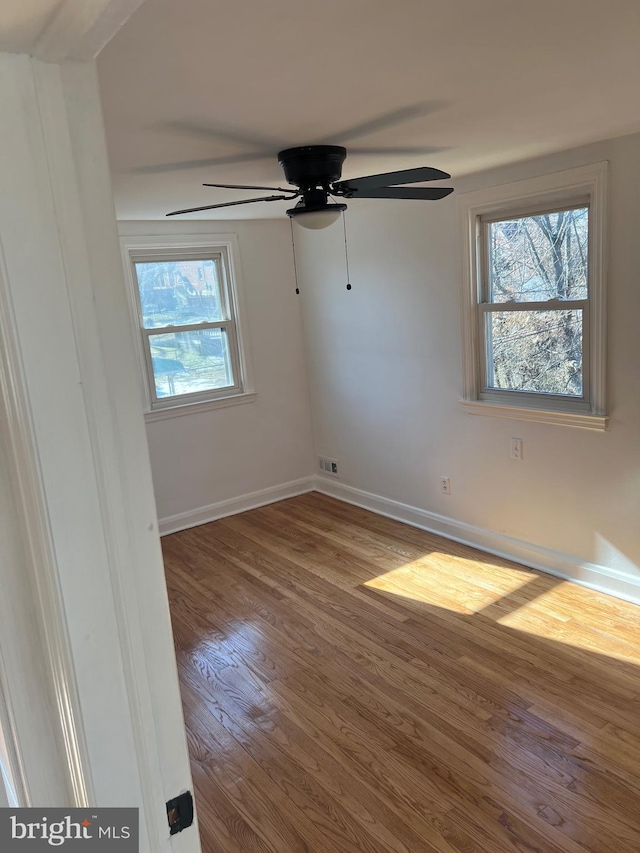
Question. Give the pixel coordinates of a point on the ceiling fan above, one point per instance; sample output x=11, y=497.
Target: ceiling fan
x=315, y=171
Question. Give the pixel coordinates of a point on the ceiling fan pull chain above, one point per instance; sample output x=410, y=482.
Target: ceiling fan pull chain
x=346, y=249
x=295, y=266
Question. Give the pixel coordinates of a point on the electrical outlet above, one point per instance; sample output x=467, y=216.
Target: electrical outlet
x=445, y=485
x=516, y=448
x=328, y=466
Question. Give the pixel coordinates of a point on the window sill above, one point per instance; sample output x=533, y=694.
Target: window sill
x=196, y=408
x=542, y=416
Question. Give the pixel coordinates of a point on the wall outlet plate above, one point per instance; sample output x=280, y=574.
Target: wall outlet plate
x=516, y=448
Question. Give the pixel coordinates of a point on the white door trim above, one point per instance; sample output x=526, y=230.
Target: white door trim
x=35, y=534
x=82, y=481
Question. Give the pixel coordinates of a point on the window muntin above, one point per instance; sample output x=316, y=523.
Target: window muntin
x=188, y=327
x=533, y=306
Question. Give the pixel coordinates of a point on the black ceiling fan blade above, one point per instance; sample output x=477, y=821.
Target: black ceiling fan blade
x=184, y=165
x=426, y=193
x=223, y=132
x=245, y=187
x=382, y=122
x=229, y=204
x=390, y=179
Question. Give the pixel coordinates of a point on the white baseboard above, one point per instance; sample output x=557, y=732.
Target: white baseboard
x=556, y=563
x=251, y=500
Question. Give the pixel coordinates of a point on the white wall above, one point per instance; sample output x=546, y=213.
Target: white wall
x=205, y=458
x=385, y=376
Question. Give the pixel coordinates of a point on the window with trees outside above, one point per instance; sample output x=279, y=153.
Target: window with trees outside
x=186, y=310
x=534, y=300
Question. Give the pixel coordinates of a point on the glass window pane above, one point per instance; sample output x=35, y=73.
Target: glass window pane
x=190, y=362
x=179, y=293
x=536, y=258
x=535, y=351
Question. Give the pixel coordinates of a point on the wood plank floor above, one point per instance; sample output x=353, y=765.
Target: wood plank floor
x=353, y=684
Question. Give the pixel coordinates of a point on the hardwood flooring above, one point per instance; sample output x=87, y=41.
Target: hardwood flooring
x=352, y=684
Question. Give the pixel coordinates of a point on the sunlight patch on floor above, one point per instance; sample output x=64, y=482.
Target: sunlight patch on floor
x=430, y=584
x=538, y=605
x=584, y=639
x=554, y=616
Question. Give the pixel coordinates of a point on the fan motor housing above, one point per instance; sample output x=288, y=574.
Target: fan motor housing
x=312, y=165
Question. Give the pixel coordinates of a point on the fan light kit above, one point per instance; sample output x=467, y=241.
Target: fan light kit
x=315, y=171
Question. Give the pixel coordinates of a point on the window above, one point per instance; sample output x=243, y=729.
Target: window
x=533, y=300
x=186, y=301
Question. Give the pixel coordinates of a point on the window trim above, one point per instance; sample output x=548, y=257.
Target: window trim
x=585, y=184
x=147, y=248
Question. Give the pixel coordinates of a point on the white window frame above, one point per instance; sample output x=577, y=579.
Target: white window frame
x=218, y=247
x=584, y=186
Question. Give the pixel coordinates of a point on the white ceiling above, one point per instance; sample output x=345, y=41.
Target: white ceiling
x=487, y=82
x=22, y=21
